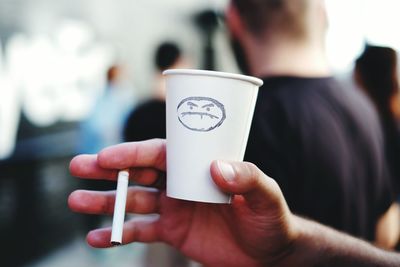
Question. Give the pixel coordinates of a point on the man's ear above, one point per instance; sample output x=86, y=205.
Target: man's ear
x=234, y=21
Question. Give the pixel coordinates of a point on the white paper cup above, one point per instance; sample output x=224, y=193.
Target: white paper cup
x=208, y=117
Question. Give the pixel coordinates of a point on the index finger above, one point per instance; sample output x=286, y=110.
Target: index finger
x=150, y=153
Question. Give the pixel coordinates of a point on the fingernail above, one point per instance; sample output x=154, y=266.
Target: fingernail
x=226, y=170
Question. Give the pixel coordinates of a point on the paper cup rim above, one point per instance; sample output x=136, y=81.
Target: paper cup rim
x=221, y=74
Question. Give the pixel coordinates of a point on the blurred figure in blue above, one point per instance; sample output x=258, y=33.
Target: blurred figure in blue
x=321, y=142
x=147, y=120
x=105, y=124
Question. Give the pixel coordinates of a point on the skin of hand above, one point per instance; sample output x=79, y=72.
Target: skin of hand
x=256, y=229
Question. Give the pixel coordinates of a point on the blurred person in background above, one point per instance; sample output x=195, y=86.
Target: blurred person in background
x=376, y=74
x=321, y=142
x=147, y=120
x=105, y=124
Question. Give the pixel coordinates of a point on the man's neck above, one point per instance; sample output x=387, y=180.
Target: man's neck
x=287, y=59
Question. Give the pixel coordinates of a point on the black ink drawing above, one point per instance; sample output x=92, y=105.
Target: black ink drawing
x=202, y=114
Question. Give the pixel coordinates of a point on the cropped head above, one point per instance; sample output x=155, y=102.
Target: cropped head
x=376, y=73
x=167, y=55
x=293, y=18
x=113, y=73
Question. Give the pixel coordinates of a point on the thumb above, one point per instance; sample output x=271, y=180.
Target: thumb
x=246, y=179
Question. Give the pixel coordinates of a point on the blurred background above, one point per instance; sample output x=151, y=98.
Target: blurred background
x=58, y=62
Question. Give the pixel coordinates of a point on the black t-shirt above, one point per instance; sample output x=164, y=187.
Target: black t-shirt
x=146, y=121
x=323, y=145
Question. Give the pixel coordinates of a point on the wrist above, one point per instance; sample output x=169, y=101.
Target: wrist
x=301, y=252
x=291, y=252
x=318, y=245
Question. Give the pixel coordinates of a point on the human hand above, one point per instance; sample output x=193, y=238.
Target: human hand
x=256, y=229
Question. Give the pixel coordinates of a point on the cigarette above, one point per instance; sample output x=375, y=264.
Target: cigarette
x=119, y=207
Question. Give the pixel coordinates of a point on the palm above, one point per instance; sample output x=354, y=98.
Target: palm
x=215, y=232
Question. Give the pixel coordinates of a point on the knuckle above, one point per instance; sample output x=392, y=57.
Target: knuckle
x=252, y=172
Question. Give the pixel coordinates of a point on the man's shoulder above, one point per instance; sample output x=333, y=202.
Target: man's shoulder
x=297, y=104
x=296, y=94
x=296, y=89
x=151, y=103
x=151, y=108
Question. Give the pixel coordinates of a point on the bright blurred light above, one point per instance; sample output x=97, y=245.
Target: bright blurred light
x=1, y=58
x=51, y=78
x=354, y=22
x=9, y=117
x=59, y=80
x=74, y=35
x=381, y=21
x=9, y=112
x=345, y=39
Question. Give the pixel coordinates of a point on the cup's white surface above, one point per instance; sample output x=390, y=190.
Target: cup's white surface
x=208, y=117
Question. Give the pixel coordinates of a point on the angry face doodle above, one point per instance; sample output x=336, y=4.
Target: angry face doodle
x=202, y=114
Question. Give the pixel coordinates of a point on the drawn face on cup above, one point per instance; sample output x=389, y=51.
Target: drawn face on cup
x=201, y=114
